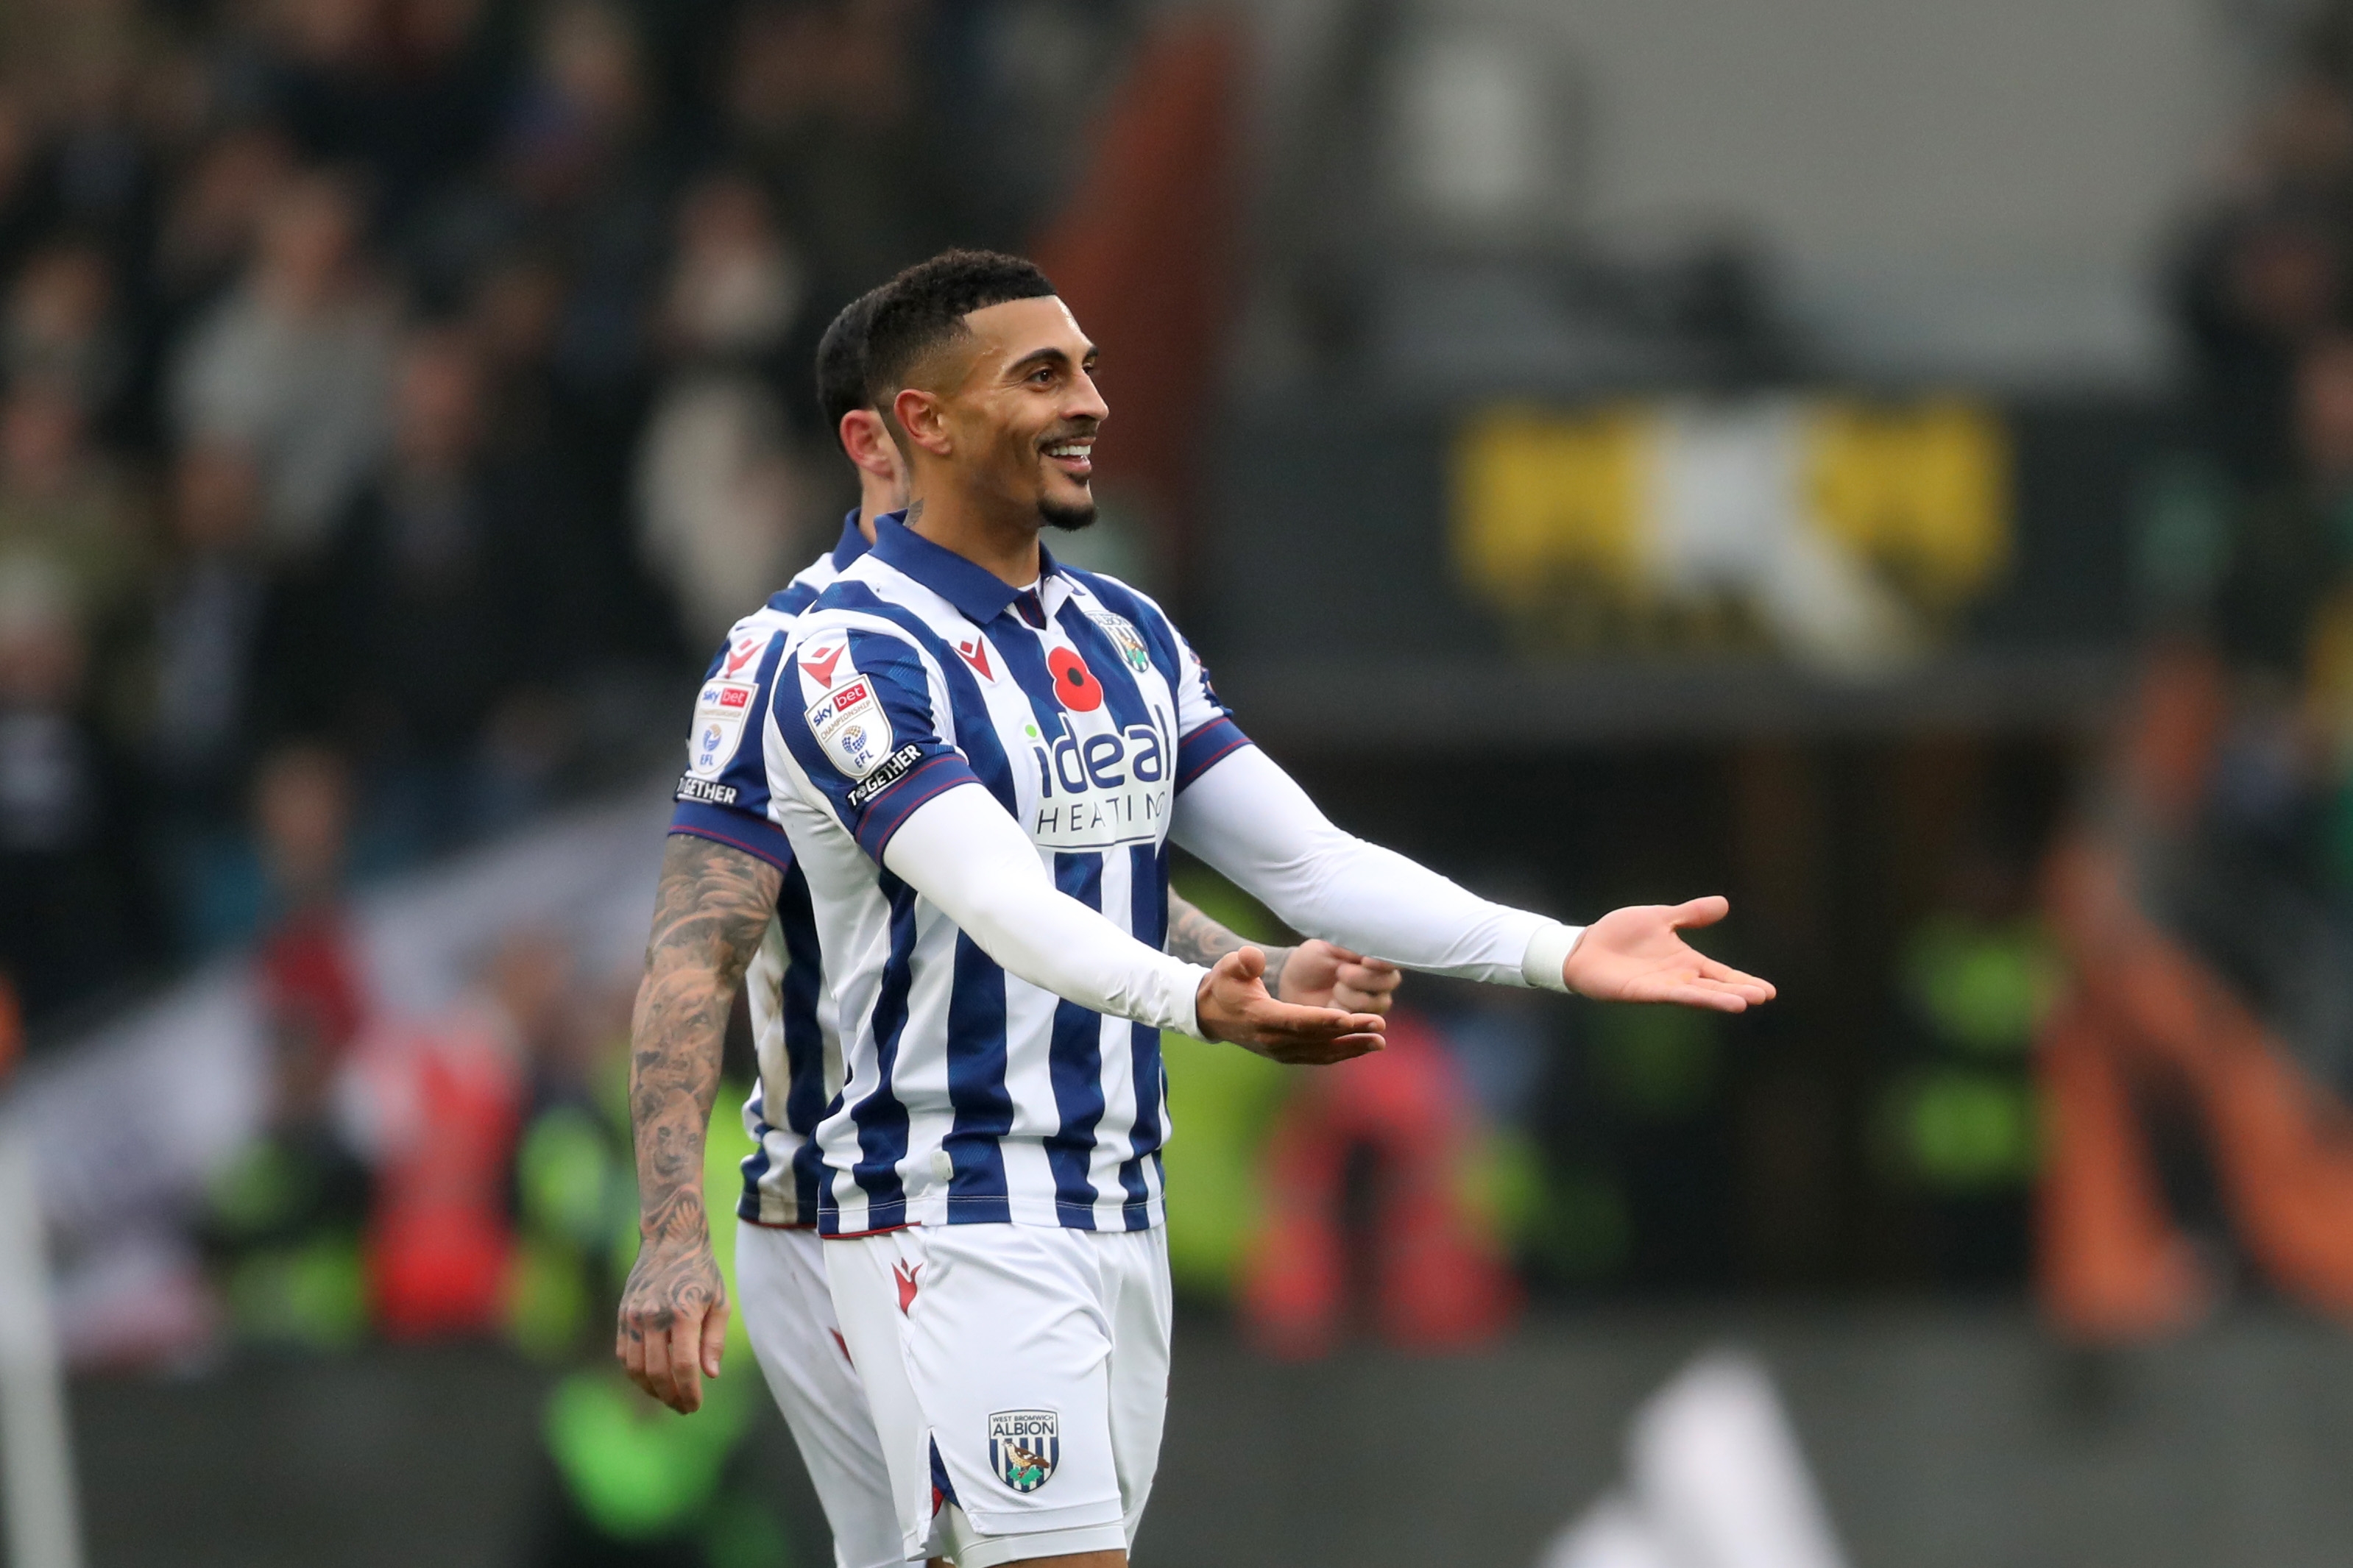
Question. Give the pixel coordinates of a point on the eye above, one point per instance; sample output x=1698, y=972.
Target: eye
x=1043, y=375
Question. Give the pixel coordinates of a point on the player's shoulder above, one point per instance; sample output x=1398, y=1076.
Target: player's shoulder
x=872, y=597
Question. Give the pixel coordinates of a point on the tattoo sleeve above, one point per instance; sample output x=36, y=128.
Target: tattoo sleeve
x=710, y=911
x=1197, y=939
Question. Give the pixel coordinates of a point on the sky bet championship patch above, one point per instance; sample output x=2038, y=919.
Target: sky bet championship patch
x=849, y=723
x=1024, y=1446
x=718, y=715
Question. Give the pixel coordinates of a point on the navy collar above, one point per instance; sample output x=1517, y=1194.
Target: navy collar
x=981, y=594
x=853, y=542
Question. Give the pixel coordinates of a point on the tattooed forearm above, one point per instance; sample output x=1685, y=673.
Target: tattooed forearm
x=1197, y=939
x=710, y=912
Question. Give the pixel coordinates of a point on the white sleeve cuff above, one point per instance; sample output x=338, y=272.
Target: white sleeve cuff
x=1187, y=1020
x=1548, y=951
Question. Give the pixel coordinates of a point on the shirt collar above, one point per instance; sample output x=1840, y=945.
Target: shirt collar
x=979, y=594
x=853, y=542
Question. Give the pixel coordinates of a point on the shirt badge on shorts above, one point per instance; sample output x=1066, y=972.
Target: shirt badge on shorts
x=1024, y=1446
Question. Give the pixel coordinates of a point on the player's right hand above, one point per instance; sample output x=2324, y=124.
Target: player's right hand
x=673, y=1323
x=1233, y=1004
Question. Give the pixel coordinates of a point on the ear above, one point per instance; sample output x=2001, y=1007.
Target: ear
x=868, y=443
x=924, y=418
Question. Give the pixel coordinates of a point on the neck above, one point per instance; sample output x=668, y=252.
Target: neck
x=1007, y=547
x=875, y=499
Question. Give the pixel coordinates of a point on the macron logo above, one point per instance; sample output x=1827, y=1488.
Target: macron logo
x=820, y=665
x=741, y=655
x=906, y=1273
x=975, y=654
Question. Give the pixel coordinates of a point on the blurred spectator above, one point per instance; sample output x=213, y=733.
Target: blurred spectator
x=61, y=328
x=581, y=166
x=284, y=1216
x=200, y=678
x=70, y=911
x=406, y=90
x=215, y=215
x=63, y=503
x=2291, y=547
x=725, y=507
x=435, y=592
x=1394, y=1126
x=575, y=1180
x=1961, y=1115
x=292, y=363
x=549, y=443
x=823, y=99
x=438, y=1103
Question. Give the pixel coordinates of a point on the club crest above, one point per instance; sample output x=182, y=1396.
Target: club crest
x=1024, y=1446
x=1126, y=637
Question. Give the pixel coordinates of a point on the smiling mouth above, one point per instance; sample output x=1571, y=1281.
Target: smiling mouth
x=1074, y=457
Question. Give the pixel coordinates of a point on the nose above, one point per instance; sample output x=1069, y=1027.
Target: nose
x=1086, y=400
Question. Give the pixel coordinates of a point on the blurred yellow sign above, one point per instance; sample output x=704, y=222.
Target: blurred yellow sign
x=1836, y=531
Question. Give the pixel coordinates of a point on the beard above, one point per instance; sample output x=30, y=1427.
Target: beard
x=1069, y=519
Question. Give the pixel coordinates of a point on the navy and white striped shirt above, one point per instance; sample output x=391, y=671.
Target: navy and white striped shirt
x=971, y=1095
x=723, y=796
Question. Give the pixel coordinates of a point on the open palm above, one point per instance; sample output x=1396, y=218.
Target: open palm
x=1637, y=954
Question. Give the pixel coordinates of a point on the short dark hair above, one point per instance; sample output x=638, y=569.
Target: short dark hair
x=842, y=362
x=924, y=307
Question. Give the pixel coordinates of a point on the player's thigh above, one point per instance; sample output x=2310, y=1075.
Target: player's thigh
x=1142, y=1305
x=788, y=1314
x=1009, y=1348
x=863, y=1274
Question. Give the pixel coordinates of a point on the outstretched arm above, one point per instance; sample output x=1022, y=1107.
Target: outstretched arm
x=1251, y=821
x=962, y=851
x=1315, y=974
x=711, y=910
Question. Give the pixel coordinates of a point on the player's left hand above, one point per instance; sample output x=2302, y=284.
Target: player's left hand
x=673, y=1320
x=1321, y=975
x=1635, y=954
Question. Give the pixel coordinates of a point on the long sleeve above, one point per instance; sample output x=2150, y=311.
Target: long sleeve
x=960, y=850
x=1253, y=821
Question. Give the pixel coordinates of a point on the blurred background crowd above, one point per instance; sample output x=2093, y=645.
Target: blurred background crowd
x=1948, y=552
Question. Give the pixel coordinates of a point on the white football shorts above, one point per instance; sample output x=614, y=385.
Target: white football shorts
x=1018, y=1377
x=780, y=1291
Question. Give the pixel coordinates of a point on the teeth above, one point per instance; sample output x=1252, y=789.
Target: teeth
x=1070, y=450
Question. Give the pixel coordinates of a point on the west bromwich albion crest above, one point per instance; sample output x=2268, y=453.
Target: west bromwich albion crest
x=1125, y=637
x=1024, y=1446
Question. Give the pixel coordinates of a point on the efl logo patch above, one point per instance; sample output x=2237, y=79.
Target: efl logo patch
x=718, y=715
x=849, y=723
x=1024, y=1446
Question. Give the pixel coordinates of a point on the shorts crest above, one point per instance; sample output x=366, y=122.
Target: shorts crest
x=1024, y=1446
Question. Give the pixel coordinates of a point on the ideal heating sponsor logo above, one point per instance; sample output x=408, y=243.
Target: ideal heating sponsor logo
x=1103, y=789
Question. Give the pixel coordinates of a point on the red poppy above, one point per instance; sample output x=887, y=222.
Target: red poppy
x=1074, y=683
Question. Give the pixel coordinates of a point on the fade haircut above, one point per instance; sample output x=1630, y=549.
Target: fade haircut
x=842, y=362
x=923, y=309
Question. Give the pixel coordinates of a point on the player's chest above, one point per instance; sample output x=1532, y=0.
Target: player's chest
x=1086, y=723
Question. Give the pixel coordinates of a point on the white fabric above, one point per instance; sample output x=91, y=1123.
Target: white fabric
x=961, y=851
x=788, y=1306
x=1253, y=821
x=1005, y=1319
